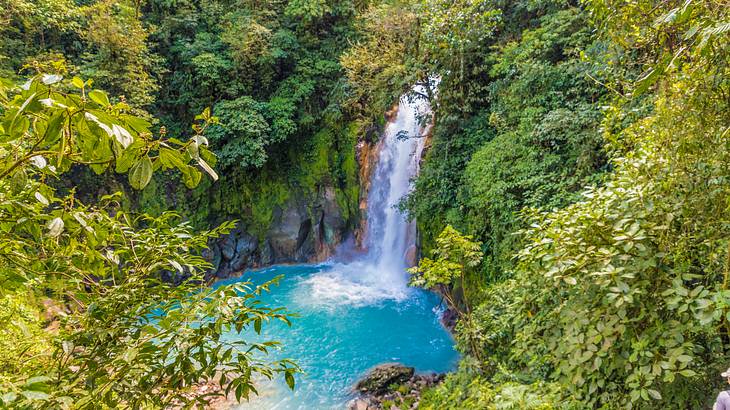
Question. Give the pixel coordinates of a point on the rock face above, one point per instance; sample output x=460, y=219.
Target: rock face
x=367, y=157
x=391, y=386
x=380, y=377
x=368, y=152
x=301, y=231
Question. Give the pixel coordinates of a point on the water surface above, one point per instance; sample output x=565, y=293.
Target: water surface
x=345, y=327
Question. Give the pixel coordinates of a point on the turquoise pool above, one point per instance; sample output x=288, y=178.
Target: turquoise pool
x=346, y=326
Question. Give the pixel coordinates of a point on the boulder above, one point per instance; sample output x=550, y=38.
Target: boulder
x=304, y=229
x=361, y=404
x=245, y=247
x=379, y=378
x=288, y=232
x=228, y=246
x=266, y=256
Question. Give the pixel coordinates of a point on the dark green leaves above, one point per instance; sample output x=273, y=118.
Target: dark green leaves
x=289, y=377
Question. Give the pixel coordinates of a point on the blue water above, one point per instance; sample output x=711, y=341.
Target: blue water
x=344, y=328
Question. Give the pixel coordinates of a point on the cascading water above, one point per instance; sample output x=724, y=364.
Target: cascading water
x=381, y=272
x=355, y=315
x=389, y=234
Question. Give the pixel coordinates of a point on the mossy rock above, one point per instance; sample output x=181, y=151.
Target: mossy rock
x=379, y=378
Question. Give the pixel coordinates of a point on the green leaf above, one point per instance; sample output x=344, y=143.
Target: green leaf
x=289, y=377
x=141, y=173
x=688, y=373
x=652, y=75
x=36, y=380
x=171, y=158
x=35, y=395
x=99, y=97
x=19, y=180
x=77, y=82
x=191, y=176
x=20, y=111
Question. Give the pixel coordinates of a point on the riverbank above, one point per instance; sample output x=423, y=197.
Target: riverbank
x=392, y=386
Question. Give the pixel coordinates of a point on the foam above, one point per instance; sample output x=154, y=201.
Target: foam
x=348, y=285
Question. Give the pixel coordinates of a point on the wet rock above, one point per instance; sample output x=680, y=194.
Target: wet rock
x=367, y=154
x=245, y=248
x=411, y=256
x=228, y=246
x=392, y=386
x=267, y=254
x=449, y=319
x=283, y=234
x=331, y=222
x=361, y=404
x=379, y=378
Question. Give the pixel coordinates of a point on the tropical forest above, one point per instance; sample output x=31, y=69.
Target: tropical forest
x=365, y=204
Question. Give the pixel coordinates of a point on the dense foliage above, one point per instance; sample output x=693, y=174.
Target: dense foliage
x=269, y=70
x=118, y=331
x=572, y=203
x=616, y=292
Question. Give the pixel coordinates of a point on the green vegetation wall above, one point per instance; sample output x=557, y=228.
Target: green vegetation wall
x=582, y=144
x=270, y=71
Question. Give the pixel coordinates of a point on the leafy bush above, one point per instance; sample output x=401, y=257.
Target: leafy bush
x=468, y=390
x=140, y=326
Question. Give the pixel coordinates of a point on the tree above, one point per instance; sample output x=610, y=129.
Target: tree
x=116, y=52
x=137, y=324
x=455, y=255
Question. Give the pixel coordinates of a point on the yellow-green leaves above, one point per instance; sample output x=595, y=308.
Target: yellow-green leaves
x=453, y=256
x=77, y=82
x=99, y=97
x=141, y=173
x=71, y=130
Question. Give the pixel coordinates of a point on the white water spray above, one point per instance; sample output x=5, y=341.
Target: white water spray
x=389, y=235
x=381, y=274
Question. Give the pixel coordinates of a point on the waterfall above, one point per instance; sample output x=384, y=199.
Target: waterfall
x=389, y=234
x=381, y=272
x=357, y=310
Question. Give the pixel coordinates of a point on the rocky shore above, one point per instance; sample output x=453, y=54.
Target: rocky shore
x=391, y=386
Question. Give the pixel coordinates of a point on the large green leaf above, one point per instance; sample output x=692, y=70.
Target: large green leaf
x=141, y=173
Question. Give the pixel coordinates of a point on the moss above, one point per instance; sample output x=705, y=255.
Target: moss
x=314, y=165
x=152, y=198
x=269, y=195
x=349, y=193
x=251, y=198
x=327, y=158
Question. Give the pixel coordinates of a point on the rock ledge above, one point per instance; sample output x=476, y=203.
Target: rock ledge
x=391, y=386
